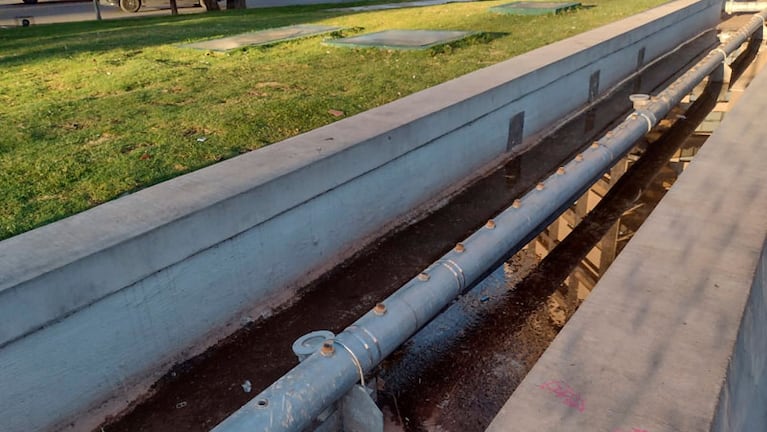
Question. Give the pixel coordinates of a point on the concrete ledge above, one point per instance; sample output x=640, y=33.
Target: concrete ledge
x=114, y=295
x=673, y=336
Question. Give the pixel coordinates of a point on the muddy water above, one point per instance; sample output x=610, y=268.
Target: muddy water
x=198, y=394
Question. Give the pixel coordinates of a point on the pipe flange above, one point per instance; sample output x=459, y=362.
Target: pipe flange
x=639, y=100
x=309, y=343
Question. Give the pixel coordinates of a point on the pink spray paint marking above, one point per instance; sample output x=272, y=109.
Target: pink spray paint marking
x=565, y=393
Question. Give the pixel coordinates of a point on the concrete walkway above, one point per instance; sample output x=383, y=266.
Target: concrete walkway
x=673, y=337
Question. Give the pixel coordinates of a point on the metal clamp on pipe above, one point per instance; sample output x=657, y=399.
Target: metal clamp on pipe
x=649, y=117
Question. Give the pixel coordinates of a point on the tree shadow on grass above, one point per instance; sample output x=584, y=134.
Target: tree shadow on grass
x=69, y=39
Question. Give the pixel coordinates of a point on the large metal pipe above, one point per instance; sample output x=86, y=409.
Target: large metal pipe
x=295, y=400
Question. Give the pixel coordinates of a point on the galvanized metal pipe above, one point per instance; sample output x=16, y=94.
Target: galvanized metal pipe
x=295, y=400
x=739, y=6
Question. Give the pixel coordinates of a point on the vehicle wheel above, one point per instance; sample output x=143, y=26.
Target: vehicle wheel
x=30, y=1
x=130, y=5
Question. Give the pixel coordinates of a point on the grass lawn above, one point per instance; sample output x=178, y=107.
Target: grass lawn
x=91, y=111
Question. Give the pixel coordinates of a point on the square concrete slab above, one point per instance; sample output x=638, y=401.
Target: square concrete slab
x=534, y=8
x=420, y=3
x=263, y=37
x=402, y=39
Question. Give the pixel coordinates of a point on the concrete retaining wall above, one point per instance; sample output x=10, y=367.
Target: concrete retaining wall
x=97, y=305
x=673, y=336
x=743, y=400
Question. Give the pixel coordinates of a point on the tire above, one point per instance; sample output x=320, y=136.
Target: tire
x=131, y=6
x=30, y=1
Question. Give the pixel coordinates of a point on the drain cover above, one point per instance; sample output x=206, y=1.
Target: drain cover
x=534, y=8
x=263, y=37
x=402, y=39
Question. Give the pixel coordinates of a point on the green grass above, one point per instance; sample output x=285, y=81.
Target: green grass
x=91, y=111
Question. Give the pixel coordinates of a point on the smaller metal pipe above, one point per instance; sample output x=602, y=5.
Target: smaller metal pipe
x=753, y=6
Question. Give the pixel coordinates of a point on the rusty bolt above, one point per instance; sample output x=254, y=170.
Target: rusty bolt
x=459, y=248
x=490, y=224
x=517, y=203
x=561, y=171
x=595, y=144
x=540, y=186
x=379, y=309
x=579, y=157
x=327, y=349
x=423, y=276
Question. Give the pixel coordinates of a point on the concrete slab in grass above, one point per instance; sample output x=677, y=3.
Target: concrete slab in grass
x=263, y=37
x=403, y=39
x=534, y=8
x=386, y=6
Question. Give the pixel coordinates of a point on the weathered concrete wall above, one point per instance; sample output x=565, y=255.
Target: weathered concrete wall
x=97, y=304
x=673, y=337
x=743, y=400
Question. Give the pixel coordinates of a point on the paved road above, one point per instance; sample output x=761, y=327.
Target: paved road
x=50, y=11
x=45, y=12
